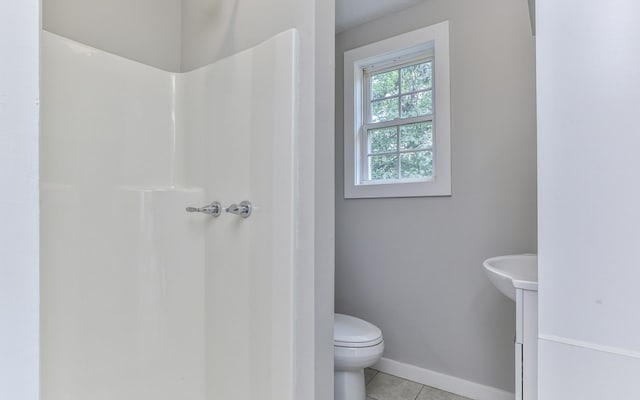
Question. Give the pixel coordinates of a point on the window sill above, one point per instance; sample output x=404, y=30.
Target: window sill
x=381, y=189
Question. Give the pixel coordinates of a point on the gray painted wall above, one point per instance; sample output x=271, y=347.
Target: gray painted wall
x=148, y=31
x=413, y=266
x=215, y=29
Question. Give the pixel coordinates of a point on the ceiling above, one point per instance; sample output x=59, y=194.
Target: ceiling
x=351, y=13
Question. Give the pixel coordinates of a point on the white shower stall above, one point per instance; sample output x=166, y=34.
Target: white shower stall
x=140, y=299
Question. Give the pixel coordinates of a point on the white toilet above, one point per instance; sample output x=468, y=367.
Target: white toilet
x=357, y=344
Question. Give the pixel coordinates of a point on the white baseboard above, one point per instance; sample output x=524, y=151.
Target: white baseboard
x=441, y=381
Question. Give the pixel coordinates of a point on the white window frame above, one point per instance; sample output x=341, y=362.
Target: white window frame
x=430, y=42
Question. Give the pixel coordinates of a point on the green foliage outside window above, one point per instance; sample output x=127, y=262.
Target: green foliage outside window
x=402, y=93
x=403, y=151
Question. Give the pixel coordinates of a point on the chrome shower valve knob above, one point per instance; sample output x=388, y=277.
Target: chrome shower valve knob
x=214, y=209
x=243, y=209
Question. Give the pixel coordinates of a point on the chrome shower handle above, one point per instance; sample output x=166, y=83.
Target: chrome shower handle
x=214, y=209
x=243, y=209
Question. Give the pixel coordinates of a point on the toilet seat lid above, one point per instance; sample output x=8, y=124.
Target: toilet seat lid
x=350, y=331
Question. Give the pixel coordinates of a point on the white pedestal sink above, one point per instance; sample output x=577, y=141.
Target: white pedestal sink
x=509, y=273
x=516, y=276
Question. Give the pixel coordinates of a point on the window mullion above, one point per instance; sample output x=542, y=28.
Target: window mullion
x=398, y=122
x=398, y=149
x=399, y=93
x=405, y=151
x=364, y=158
x=415, y=92
x=416, y=150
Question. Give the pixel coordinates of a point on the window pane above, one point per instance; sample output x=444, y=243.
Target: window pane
x=414, y=105
x=383, y=140
x=416, y=136
x=385, y=85
x=383, y=167
x=418, y=164
x=384, y=110
x=416, y=77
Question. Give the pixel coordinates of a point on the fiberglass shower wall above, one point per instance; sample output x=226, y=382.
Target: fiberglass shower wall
x=141, y=300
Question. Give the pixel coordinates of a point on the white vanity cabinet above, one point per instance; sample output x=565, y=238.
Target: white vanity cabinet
x=526, y=344
x=516, y=276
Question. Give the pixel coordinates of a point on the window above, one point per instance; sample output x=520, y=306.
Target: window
x=398, y=123
x=397, y=116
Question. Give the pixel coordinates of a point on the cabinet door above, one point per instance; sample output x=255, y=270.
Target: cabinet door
x=530, y=346
x=518, y=371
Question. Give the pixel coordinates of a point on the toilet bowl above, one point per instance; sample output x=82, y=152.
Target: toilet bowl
x=357, y=344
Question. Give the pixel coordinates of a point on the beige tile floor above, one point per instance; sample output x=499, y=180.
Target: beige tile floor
x=381, y=386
